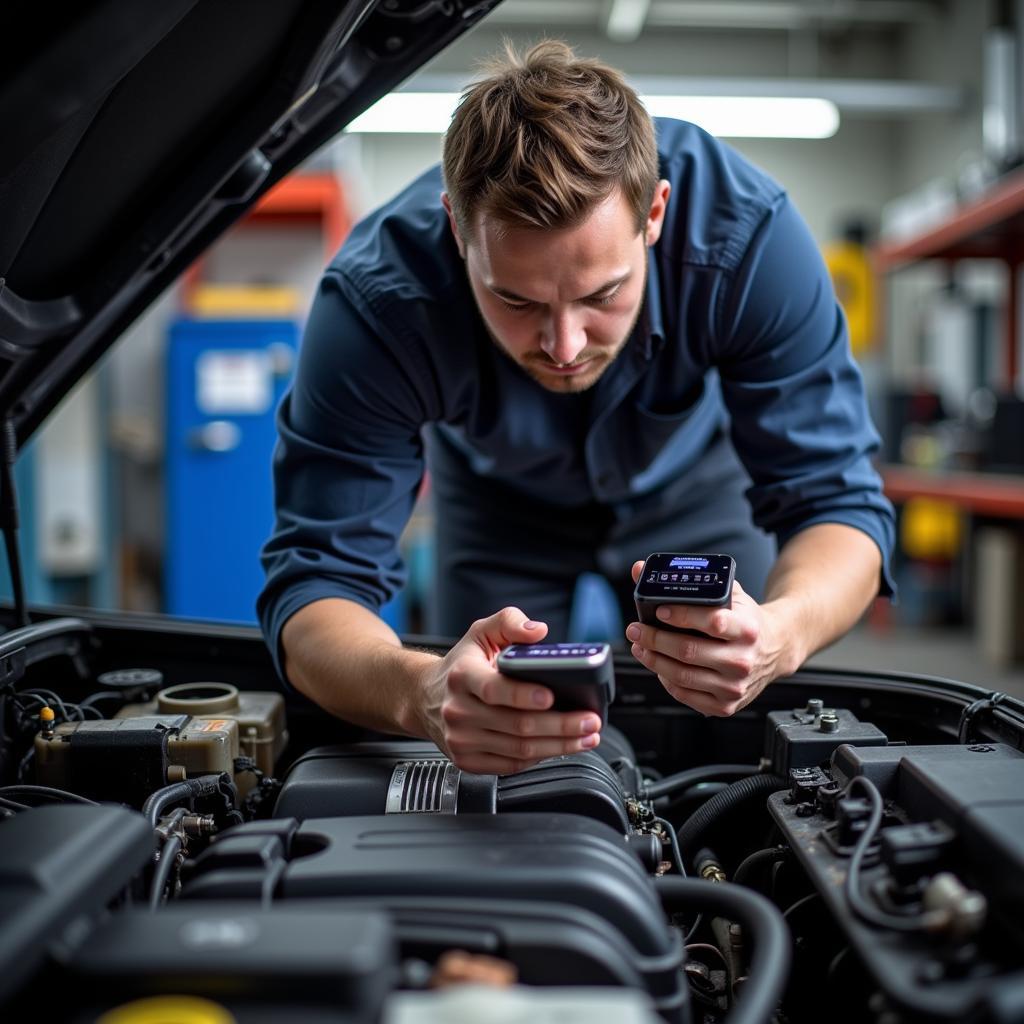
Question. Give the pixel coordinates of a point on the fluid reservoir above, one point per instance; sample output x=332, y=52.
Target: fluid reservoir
x=260, y=716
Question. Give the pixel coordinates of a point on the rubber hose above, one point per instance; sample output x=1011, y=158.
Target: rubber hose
x=771, y=958
x=157, y=802
x=692, y=831
x=756, y=861
x=164, y=867
x=705, y=773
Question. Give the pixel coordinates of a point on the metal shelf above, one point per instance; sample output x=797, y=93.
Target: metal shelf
x=989, y=227
x=983, y=493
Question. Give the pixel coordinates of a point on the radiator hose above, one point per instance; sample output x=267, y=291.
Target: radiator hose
x=693, y=829
x=764, y=925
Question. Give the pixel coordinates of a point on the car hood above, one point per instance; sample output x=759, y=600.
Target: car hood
x=135, y=134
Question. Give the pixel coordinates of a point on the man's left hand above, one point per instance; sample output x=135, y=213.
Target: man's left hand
x=744, y=649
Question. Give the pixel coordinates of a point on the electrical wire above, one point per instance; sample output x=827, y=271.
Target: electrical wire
x=43, y=700
x=868, y=913
x=101, y=695
x=48, y=697
x=674, y=843
x=46, y=793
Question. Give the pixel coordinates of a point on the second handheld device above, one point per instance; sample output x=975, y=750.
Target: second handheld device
x=682, y=578
x=581, y=676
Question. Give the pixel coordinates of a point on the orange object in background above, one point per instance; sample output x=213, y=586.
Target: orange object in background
x=300, y=198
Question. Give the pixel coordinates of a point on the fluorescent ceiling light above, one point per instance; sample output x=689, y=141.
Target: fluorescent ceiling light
x=766, y=117
x=413, y=112
x=778, y=117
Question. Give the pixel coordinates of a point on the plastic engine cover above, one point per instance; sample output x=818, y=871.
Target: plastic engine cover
x=404, y=778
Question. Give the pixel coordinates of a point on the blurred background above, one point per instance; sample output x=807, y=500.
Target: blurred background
x=897, y=126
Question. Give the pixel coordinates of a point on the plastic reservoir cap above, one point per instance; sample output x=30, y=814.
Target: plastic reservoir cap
x=197, y=699
x=46, y=714
x=169, y=1010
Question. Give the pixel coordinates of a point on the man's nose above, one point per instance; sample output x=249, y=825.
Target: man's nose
x=564, y=338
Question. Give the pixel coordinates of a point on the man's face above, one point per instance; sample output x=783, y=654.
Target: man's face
x=562, y=303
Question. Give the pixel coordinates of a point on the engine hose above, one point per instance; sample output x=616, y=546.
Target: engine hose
x=693, y=829
x=158, y=802
x=766, y=927
x=164, y=869
x=705, y=773
x=758, y=860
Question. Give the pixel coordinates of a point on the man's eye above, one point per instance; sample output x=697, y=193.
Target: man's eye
x=605, y=300
x=516, y=307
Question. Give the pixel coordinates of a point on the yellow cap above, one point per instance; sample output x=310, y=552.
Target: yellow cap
x=169, y=1010
x=46, y=714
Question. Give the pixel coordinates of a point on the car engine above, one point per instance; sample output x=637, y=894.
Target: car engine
x=175, y=849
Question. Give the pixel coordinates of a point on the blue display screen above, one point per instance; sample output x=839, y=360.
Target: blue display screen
x=705, y=578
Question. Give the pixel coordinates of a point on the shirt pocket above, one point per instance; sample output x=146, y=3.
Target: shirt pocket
x=649, y=428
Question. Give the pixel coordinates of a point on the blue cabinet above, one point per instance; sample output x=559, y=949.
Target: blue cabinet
x=224, y=380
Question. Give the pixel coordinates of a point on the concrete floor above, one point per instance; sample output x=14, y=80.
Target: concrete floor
x=949, y=653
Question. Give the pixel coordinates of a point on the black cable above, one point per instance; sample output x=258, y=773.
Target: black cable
x=804, y=901
x=692, y=831
x=47, y=792
x=674, y=843
x=771, y=957
x=969, y=713
x=756, y=861
x=157, y=802
x=46, y=698
x=705, y=773
x=164, y=867
x=101, y=695
x=25, y=761
x=858, y=903
x=13, y=805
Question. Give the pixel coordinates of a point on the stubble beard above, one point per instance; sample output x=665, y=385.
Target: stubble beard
x=533, y=362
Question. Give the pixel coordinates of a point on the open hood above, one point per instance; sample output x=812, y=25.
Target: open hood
x=135, y=134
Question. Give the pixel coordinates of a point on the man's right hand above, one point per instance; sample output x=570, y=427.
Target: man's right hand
x=490, y=724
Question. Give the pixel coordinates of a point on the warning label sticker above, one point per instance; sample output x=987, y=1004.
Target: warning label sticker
x=210, y=724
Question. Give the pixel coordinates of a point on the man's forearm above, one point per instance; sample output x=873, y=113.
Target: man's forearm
x=822, y=582
x=351, y=663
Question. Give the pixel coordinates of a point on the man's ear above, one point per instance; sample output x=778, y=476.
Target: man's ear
x=656, y=214
x=447, y=204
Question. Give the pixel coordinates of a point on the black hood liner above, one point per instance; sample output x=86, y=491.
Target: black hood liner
x=136, y=134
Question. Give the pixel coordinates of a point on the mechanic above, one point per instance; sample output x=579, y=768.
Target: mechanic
x=606, y=337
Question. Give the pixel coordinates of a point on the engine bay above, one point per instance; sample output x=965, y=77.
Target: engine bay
x=178, y=843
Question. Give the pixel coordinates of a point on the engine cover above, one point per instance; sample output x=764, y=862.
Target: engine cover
x=561, y=896
x=414, y=777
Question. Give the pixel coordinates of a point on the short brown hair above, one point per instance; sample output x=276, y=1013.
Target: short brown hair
x=544, y=137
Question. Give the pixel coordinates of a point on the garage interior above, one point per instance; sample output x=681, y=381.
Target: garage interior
x=914, y=190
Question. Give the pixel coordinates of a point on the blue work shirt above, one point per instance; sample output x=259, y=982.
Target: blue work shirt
x=740, y=328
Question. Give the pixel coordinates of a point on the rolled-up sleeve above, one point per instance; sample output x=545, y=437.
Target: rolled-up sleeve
x=347, y=465
x=795, y=396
